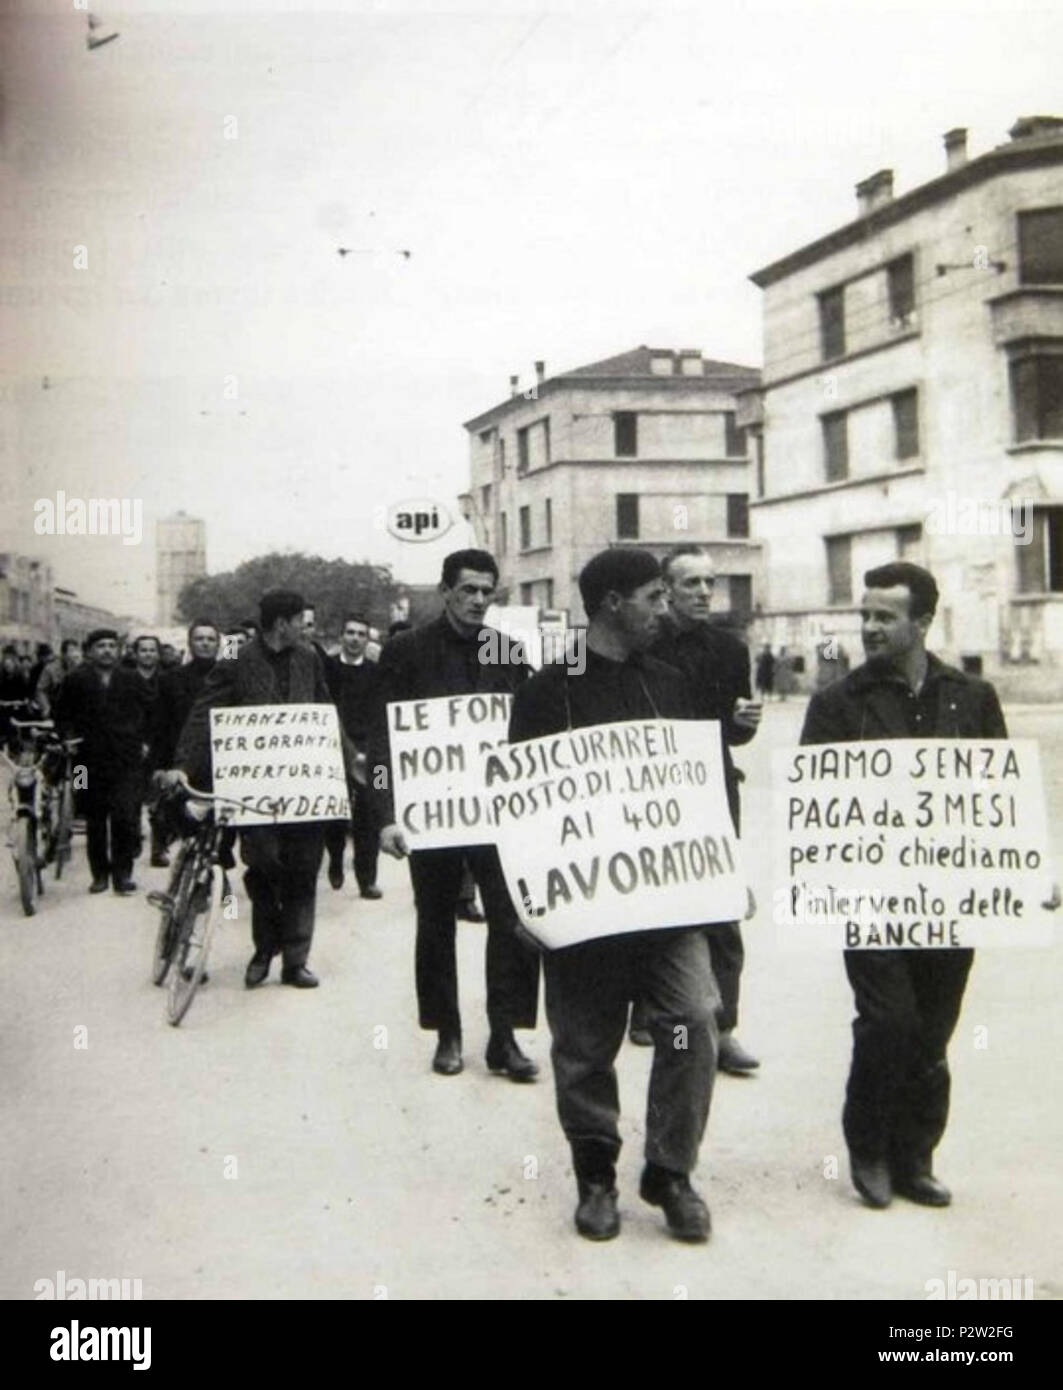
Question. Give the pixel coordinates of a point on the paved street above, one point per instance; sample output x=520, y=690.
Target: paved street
x=290, y=1144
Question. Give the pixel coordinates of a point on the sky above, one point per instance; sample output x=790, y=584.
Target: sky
x=511, y=182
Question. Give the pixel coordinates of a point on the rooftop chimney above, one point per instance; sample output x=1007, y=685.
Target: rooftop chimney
x=955, y=147
x=540, y=371
x=514, y=389
x=1026, y=127
x=874, y=191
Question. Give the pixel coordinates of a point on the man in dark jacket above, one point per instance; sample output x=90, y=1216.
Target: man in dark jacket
x=351, y=677
x=444, y=658
x=110, y=709
x=179, y=689
x=589, y=985
x=283, y=861
x=907, y=1000
x=716, y=665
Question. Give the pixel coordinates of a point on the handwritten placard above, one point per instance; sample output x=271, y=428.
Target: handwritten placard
x=438, y=748
x=911, y=843
x=285, y=758
x=616, y=828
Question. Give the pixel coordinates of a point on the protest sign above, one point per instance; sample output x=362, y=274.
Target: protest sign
x=437, y=754
x=287, y=757
x=911, y=843
x=616, y=828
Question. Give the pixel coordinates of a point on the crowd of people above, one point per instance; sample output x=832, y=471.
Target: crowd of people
x=653, y=651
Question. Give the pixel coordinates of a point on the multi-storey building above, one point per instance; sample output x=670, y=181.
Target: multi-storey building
x=180, y=555
x=641, y=449
x=912, y=406
x=27, y=602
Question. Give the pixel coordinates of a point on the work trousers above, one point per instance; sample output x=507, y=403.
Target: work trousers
x=588, y=988
x=728, y=956
x=512, y=968
x=112, y=812
x=897, y=1098
x=281, y=881
x=366, y=836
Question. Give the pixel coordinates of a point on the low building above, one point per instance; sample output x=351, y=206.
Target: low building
x=639, y=449
x=27, y=602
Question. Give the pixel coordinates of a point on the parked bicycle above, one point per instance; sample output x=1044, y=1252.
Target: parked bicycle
x=192, y=904
x=42, y=800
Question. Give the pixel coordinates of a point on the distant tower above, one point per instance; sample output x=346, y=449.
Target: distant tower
x=180, y=555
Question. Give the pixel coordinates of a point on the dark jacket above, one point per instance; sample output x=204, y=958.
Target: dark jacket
x=256, y=677
x=874, y=704
x=114, y=721
x=608, y=692
x=716, y=663
x=354, y=691
x=178, y=691
x=424, y=664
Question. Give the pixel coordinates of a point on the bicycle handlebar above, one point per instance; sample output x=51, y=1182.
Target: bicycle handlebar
x=198, y=795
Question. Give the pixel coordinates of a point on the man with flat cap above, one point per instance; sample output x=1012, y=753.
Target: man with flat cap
x=110, y=709
x=589, y=985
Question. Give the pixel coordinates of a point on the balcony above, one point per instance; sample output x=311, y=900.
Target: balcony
x=1028, y=312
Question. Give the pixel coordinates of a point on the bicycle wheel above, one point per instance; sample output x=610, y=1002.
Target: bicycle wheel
x=196, y=925
x=177, y=891
x=64, y=827
x=25, y=846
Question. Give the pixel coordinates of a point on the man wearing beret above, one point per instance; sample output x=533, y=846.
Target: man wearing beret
x=109, y=709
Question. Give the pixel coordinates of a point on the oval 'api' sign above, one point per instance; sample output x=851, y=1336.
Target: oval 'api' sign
x=418, y=520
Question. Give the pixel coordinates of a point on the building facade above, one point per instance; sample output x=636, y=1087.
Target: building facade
x=639, y=449
x=912, y=407
x=27, y=602
x=180, y=555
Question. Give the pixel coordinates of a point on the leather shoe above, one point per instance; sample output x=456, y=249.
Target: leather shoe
x=923, y=1188
x=597, y=1217
x=98, y=885
x=372, y=892
x=687, y=1215
x=256, y=972
x=160, y=860
x=447, y=1061
x=125, y=887
x=469, y=912
x=641, y=1037
x=335, y=875
x=504, y=1056
x=733, y=1058
x=871, y=1178
x=300, y=977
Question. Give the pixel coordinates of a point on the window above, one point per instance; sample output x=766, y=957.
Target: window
x=525, y=528
x=734, y=438
x=738, y=514
x=627, y=516
x=548, y=593
x=503, y=534
x=836, y=446
x=740, y=589
x=522, y=451
x=900, y=282
x=548, y=524
x=906, y=423
x=910, y=543
x=546, y=439
x=1041, y=247
x=1037, y=396
x=832, y=323
x=526, y=595
x=485, y=499
x=1040, y=553
x=758, y=447
x=839, y=569
x=501, y=457
x=625, y=434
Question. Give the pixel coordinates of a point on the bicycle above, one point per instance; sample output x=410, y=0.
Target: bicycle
x=192, y=903
x=42, y=797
